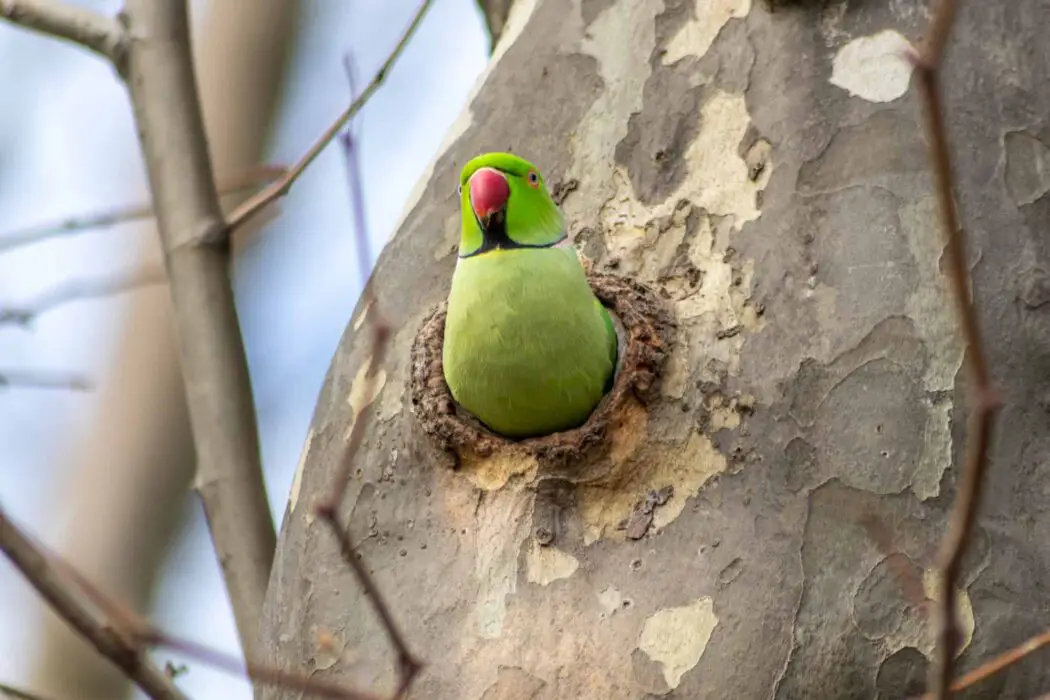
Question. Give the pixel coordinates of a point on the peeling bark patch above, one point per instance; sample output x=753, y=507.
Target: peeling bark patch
x=696, y=36
x=610, y=501
x=656, y=139
x=494, y=471
x=297, y=480
x=887, y=595
x=364, y=390
x=857, y=155
x=628, y=31
x=859, y=412
x=545, y=565
x=716, y=179
x=902, y=675
x=502, y=527
x=931, y=582
x=719, y=176
x=513, y=683
x=1027, y=172
x=929, y=305
x=642, y=516
x=866, y=427
x=837, y=556
x=903, y=624
x=686, y=255
x=362, y=316
x=611, y=601
x=868, y=595
x=874, y=68
x=330, y=649
x=677, y=637
x=649, y=331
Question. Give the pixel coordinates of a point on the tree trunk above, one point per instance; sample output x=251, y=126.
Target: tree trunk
x=763, y=169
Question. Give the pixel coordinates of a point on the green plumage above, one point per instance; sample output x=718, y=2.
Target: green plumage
x=528, y=348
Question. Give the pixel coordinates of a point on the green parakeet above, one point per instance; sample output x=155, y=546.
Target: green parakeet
x=528, y=349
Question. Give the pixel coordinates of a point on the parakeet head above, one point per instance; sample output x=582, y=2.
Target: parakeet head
x=505, y=204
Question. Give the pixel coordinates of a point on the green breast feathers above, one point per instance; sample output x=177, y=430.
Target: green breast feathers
x=528, y=350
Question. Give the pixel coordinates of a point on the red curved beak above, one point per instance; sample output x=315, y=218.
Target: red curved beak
x=489, y=192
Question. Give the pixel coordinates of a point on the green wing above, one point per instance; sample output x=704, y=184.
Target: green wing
x=614, y=343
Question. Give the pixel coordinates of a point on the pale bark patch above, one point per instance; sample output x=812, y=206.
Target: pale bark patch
x=677, y=637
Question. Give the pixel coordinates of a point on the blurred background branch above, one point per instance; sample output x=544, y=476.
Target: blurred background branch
x=115, y=502
x=229, y=479
x=110, y=642
x=132, y=472
x=78, y=224
x=78, y=289
x=66, y=21
x=37, y=379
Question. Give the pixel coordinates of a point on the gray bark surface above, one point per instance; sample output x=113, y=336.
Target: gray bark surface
x=763, y=170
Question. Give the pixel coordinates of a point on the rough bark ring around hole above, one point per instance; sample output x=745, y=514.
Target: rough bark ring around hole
x=648, y=332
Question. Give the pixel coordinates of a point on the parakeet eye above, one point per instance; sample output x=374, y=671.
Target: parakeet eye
x=459, y=190
x=534, y=178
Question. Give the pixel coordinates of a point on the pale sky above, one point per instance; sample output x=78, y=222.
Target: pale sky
x=67, y=147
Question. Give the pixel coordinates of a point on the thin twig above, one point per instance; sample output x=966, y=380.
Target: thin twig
x=103, y=35
x=257, y=672
x=251, y=179
x=167, y=109
x=79, y=290
x=994, y=666
x=983, y=397
x=30, y=560
x=278, y=189
x=32, y=379
x=9, y=691
x=132, y=632
x=408, y=666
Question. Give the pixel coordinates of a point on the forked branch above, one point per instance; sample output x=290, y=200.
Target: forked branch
x=408, y=665
x=280, y=188
x=35, y=567
x=101, y=34
x=123, y=637
x=77, y=224
x=984, y=400
x=79, y=290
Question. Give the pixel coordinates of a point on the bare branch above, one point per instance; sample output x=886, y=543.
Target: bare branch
x=994, y=666
x=30, y=560
x=78, y=224
x=230, y=482
x=79, y=290
x=124, y=635
x=9, y=691
x=30, y=379
x=133, y=626
x=257, y=672
x=984, y=399
x=278, y=189
x=91, y=30
x=408, y=665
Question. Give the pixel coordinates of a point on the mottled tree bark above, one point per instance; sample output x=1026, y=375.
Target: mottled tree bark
x=765, y=171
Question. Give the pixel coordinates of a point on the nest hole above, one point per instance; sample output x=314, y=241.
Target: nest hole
x=647, y=332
